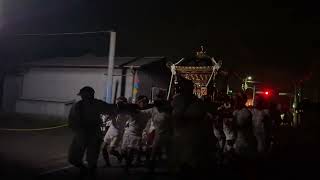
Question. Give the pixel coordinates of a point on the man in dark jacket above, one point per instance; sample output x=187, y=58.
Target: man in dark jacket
x=85, y=122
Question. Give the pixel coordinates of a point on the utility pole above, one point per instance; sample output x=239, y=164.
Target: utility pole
x=112, y=48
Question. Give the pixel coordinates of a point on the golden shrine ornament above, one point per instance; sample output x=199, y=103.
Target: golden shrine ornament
x=201, y=70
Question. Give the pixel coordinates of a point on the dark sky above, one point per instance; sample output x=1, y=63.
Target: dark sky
x=277, y=42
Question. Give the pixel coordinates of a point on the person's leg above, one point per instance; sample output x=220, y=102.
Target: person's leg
x=135, y=149
x=124, y=153
x=261, y=146
x=152, y=161
x=116, y=153
x=93, y=151
x=128, y=155
x=147, y=152
x=155, y=151
x=168, y=153
x=138, y=152
x=76, y=153
x=131, y=153
x=149, y=144
x=105, y=154
x=113, y=146
x=125, y=150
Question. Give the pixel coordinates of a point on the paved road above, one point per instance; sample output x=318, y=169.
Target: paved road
x=43, y=155
x=31, y=154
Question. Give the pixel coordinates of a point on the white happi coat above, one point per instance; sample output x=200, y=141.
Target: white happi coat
x=245, y=140
x=134, y=128
x=218, y=133
x=259, y=120
x=160, y=123
x=116, y=129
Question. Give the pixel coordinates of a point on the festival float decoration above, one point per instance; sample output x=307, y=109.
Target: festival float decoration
x=200, y=69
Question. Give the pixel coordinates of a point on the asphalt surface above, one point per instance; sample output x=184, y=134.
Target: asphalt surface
x=29, y=154
x=43, y=155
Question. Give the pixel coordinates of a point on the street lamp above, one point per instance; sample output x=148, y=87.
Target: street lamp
x=246, y=80
x=245, y=87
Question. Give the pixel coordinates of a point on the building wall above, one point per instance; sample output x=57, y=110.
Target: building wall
x=12, y=89
x=61, y=84
x=64, y=83
x=49, y=90
x=50, y=108
x=150, y=78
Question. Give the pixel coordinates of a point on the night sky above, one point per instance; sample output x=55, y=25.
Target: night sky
x=276, y=42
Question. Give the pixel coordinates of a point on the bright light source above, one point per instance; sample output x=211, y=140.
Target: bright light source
x=266, y=93
x=249, y=77
x=294, y=105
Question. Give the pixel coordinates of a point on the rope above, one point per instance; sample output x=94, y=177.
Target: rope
x=213, y=71
x=179, y=61
x=173, y=73
x=170, y=85
x=36, y=129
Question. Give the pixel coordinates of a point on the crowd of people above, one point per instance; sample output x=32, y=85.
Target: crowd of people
x=189, y=134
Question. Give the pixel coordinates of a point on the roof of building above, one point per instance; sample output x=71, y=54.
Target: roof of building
x=91, y=61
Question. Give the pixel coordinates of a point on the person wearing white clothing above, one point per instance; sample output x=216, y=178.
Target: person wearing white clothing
x=160, y=127
x=131, y=141
x=245, y=141
x=245, y=144
x=115, y=131
x=260, y=118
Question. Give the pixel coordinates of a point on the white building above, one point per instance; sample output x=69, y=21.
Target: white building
x=50, y=86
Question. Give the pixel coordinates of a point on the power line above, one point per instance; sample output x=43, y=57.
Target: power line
x=66, y=33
